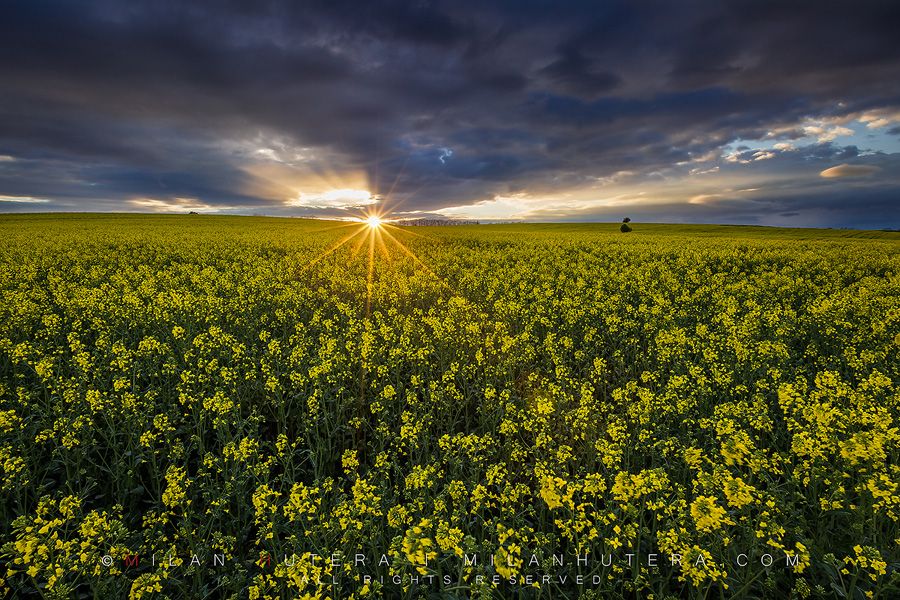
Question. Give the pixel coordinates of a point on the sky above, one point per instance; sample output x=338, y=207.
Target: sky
x=763, y=112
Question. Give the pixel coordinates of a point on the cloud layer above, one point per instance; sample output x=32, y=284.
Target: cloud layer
x=572, y=110
x=846, y=170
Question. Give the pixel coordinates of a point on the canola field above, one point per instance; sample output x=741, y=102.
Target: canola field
x=197, y=406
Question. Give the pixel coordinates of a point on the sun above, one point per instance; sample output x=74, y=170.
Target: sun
x=373, y=222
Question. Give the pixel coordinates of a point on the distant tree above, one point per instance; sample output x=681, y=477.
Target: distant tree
x=626, y=220
x=624, y=228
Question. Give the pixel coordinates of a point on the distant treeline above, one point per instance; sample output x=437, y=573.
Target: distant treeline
x=432, y=222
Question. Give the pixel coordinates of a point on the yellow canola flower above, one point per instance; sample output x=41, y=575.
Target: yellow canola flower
x=708, y=515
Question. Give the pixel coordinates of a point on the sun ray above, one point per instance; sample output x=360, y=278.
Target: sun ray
x=370, y=276
x=411, y=232
x=324, y=254
x=397, y=179
x=416, y=258
x=367, y=324
x=413, y=193
x=361, y=241
x=340, y=226
x=375, y=188
x=383, y=246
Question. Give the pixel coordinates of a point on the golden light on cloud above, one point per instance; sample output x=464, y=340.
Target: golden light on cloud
x=28, y=199
x=704, y=198
x=846, y=170
x=172, y=205
x=306, y=186
x=343, y=198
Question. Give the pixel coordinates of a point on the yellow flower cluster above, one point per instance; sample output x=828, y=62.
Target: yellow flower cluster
x=285, y=408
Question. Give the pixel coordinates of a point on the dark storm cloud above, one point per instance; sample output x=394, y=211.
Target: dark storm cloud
x=573, y=73
x=441, y=103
